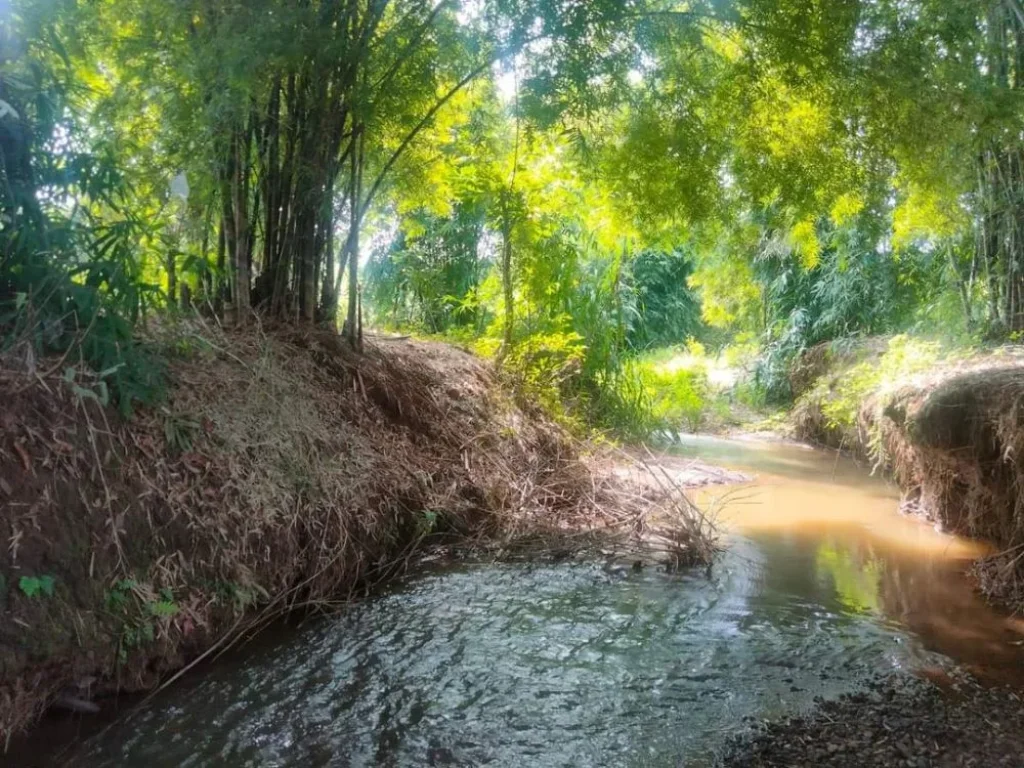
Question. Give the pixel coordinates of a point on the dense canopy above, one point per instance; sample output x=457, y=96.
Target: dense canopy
x=560, y=180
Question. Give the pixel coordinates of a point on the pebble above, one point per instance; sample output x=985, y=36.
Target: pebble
x=900, y=722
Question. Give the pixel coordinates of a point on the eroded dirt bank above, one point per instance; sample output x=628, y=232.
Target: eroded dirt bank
x=952, y=436
x=956, y=445
x=282, y=472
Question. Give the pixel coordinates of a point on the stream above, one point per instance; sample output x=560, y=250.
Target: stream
x=823, y=584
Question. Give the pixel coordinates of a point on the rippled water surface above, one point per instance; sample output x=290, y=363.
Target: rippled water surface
x=823, y=583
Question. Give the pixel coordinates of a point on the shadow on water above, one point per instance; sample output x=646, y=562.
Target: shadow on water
x=823, y=584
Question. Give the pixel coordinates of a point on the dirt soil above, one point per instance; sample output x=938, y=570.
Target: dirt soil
x=284, y=472
x=900, y=722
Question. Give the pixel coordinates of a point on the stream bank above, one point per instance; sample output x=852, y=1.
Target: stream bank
x=921, y=714
x=950, y=432
x=283, y=473
x=822, y=587
x=948, y=429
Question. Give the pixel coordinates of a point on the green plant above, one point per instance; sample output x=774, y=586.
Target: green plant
x=118, y=596
x=138, y=616
x=162, y=609
x=428, y=522
x=904, y=357
x=679, y=397
x=36, y=585
x=239, y=596
x=179, y=432
x=71, y=278
x=428, y=276
x=669, y=309
x=134, y=636
x=546, y=367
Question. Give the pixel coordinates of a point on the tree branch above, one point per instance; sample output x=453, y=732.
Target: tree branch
x=423, y=123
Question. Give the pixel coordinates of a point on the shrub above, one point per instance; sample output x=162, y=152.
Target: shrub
x=679, y=397
x=546, y=367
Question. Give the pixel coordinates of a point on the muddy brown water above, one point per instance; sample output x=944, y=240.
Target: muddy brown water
x=823, y=584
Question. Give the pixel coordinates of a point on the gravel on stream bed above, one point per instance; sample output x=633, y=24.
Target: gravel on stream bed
x=900, y=721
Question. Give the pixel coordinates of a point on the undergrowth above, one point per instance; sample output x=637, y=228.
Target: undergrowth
x=862, y=381
x=557, y=372
x=680, y=397
x=72, y=237
x=904, y=357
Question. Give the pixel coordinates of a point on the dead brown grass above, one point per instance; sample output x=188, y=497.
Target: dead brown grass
x=283, y=472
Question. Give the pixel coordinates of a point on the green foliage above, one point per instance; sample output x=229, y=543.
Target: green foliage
x=179, y=433
x=904, y=357
x=793, y=170
x=680, y=397
x=117, y=597
x=162, y=609
x=139, y=617
x=429, y=522
x=239, y=596
x=32, y=586
x=669, y=309
x=546, y=368
x=856, y=289
x=621, y=403
x=863, y=380
x=70, y=275
x=429, y=276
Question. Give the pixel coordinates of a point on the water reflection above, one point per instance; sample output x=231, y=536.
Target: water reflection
x=874, y=560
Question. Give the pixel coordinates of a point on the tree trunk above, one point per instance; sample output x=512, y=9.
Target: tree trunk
x=962, y=287
x=221, y=283
x=506, y=277
x=241, y=254
x=352, y=322
x=307, y=287
x=327, y=297
x=172, y=278
x=205, y=288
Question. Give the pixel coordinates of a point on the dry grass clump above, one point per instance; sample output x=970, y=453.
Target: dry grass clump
x=284, y=471
x=627, y=506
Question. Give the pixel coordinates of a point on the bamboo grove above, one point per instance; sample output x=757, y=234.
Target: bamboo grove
x=610, y=175
x=299, y=150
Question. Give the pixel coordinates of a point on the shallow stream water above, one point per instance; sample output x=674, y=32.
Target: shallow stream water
x=822, y=585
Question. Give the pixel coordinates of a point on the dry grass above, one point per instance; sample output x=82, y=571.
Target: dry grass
x=284, y=472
